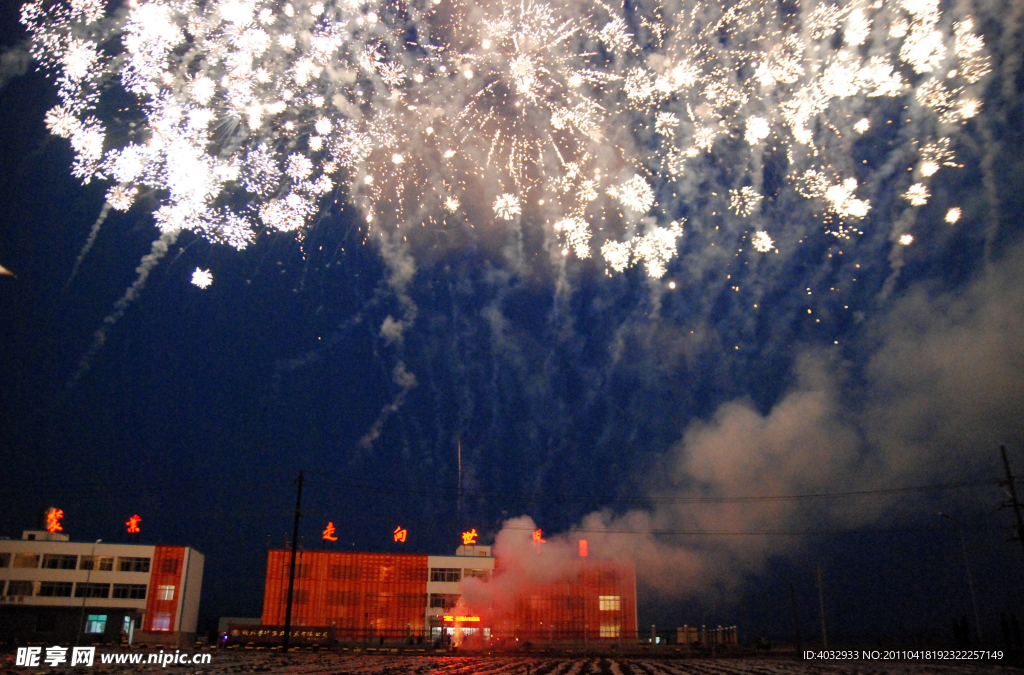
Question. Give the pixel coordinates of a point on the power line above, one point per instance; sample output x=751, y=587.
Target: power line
x=449, y=492
x=755, y=533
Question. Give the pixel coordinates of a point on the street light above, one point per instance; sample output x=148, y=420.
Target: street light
x=967, y=570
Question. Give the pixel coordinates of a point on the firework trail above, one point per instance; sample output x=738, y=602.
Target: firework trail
x=149, y=261
x=90, y=240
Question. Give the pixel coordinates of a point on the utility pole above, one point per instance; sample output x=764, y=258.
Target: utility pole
x=1011, y=490
x=967, y=571
x=796, y=621
x=291, y=568
x=821, y=605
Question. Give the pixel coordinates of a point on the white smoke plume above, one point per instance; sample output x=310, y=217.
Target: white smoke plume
x=941, y=392
x=148, y=262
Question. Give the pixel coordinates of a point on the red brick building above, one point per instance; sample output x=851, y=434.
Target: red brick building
x=403, y=598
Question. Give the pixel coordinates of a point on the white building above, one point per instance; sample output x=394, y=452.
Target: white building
x=56, y=591
x=443, y=584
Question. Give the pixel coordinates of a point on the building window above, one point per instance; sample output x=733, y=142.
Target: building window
x=165, y=592
x=478, y=574
x=609, y=603
x=87, y=590
x=608, y=578
x=162, y=621
x=170, y=565
x=20, y=587
x=5, y=559
x=55, y=589
x=130, y=591
x=446, y=574
x=60, y=562
x=444, y=600
x=26, y=560
x=133, y=564
x=103, y=563
x=96, y=623
x=609, y=630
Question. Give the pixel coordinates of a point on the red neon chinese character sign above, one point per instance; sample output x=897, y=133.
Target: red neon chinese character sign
x=53, y=517
x=329, y=532
x=537, y=541
x=583, y=548
x=400, y=534
x=133, y=524
x=469, y=537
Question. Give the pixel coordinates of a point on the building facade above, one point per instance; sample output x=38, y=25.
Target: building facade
x=53, y=590
x=412, y=598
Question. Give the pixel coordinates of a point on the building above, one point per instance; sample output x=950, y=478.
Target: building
x=53, y=591
x=376, y=597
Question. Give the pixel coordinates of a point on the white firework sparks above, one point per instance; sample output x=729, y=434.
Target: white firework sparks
x=202, y=278
x=249, y=113
x=577, y=236
x=917, y=194
x=953, y=215
x=507, y=207
x=762, y=242
x=744, y=201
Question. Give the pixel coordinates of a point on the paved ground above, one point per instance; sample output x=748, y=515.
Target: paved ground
x=352, y=664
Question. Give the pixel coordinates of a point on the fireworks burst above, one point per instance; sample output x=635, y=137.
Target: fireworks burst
x=245, y=115
x=202, y=278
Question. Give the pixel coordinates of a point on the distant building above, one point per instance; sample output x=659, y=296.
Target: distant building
x=55, y=591
x=412, y=598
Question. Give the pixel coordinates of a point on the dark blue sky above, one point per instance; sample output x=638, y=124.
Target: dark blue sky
x=203, y=405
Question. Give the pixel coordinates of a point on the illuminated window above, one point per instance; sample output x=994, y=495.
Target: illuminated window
x=162, y=621
x=102, y=563
x=609, y=630
x=446, y=574
x=130, y=591
x=60, y=562
x=55, y=589
x=133, y=564
x=85, y=590
x=26, y=560
x=20, y=587
x=165, y=592
x=608, y=602
x=96, y=623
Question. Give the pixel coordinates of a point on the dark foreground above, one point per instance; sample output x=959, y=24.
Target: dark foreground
x=364, y=664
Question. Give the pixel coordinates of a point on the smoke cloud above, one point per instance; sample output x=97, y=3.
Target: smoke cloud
x=939, y=394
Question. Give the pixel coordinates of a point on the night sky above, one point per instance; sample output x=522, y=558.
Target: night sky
x=667, y=423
